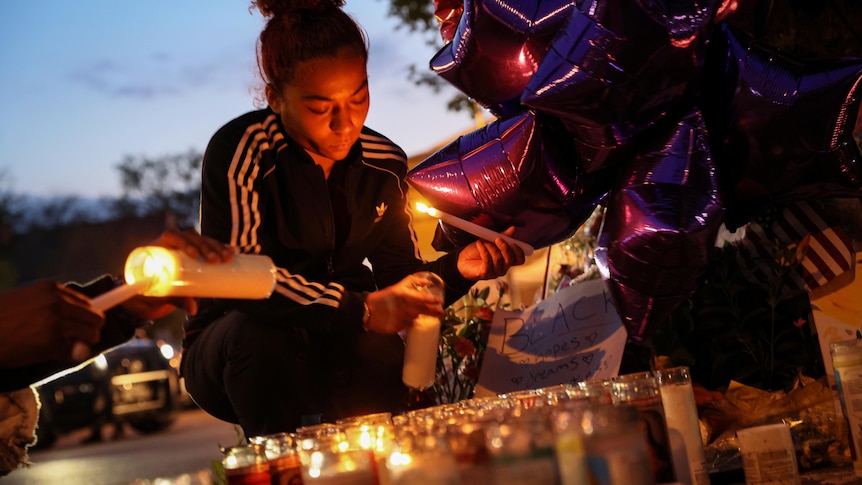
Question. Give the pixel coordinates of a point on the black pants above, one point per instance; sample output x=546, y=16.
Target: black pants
x=266, y=376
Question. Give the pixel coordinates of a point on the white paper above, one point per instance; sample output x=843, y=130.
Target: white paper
x=573, y=335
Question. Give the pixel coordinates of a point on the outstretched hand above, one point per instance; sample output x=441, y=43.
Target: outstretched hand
x=41, y=323
x=395, y=307
x=483, y=260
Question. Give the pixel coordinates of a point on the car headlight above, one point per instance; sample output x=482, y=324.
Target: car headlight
x=167, y=351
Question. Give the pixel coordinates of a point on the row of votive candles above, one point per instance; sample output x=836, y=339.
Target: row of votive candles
x=635, y=429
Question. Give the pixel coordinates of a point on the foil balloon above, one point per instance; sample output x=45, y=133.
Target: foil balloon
x=782, y=128
x=749, y=16
x=516, y=172
x=497, y=47
x=662, y=217
x=618, y=67
x=448, y=13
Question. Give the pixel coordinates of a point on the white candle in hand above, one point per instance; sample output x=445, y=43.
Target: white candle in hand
x=423, y=339
x=420, y=352
x=474, y=229
x=114, y=297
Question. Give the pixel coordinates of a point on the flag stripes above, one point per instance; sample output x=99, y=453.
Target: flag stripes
x=829, y=253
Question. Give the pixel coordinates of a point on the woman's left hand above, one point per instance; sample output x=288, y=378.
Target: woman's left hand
x=483, y=260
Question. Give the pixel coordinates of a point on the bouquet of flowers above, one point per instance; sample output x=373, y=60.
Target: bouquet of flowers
x=463, y=339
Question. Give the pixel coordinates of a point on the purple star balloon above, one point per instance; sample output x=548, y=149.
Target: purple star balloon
x=782, y=128
x=616, y=68
x=497, y=47
x=517, y=172
x=750, y=16
x=662, y=217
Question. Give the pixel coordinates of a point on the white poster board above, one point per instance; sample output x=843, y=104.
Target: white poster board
x=573, y=335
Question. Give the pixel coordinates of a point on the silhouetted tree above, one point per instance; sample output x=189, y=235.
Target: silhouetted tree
x=166, y=184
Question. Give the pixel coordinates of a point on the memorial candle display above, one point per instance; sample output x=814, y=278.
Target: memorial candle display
x=474, y=229
x=158, y=271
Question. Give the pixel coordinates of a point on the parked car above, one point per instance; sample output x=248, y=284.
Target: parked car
x=132, y=384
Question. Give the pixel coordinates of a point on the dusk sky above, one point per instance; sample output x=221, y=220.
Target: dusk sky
x=84, y=84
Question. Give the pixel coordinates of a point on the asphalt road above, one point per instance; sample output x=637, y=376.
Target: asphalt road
x=188, y=446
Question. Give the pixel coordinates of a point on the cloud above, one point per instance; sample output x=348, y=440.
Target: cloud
x=160, y=75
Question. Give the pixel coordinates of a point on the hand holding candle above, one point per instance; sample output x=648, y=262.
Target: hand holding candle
x=158, y=271
x=474, y=229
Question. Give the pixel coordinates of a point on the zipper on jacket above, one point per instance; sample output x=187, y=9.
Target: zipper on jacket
x=330, y=266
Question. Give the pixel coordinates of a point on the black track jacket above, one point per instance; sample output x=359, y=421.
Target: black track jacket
x=262, y=194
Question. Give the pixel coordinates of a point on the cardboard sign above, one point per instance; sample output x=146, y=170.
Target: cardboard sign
x=574, y=335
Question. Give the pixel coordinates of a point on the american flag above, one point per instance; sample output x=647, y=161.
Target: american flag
x=829, y=254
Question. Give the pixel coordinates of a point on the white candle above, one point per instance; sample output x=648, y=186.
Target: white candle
x=423, y=339
x=474, y=229
x=174, y=273
x=680, y=411
x=420, y=352
x=114, y=297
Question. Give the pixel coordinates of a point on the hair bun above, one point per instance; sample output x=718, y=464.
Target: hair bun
x=274, y=8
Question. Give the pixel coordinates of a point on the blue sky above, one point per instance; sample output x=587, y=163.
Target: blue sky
x=84, y=84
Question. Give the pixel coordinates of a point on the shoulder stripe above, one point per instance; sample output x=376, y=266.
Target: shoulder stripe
x=380, y=147
x=243, y=172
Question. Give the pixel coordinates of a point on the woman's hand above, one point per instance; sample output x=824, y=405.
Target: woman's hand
x=195, y=246
x=394, y=308
x=483, y=260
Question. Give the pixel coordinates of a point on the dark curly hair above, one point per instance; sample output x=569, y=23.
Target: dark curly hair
x=300, y=30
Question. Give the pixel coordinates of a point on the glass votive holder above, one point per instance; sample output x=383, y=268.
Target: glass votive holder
x=597, y=390
x=641, y=391
x=521, y=450
x=613, y=452
x=569, y=442
x=330, y=460
x=527, y=399
x=314, y=434
x=421, y=458
x=246, y=465
x=282, y=457
x=466, y=440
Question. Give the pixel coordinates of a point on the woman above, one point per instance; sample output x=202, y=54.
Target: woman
x=306, y=183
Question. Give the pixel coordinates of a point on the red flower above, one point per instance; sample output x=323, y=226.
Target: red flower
x=464, y=347
x=485, y=314
x=471, y=372
x=799, y=322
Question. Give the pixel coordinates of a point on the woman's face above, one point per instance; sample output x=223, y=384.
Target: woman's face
x=325, y=105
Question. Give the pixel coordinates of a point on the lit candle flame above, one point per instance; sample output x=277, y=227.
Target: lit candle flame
x=479, y=231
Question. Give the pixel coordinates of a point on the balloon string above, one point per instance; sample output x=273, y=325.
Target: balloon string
x=547, y=270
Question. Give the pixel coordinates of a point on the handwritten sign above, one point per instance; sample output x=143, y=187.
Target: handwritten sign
x=574, y=335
